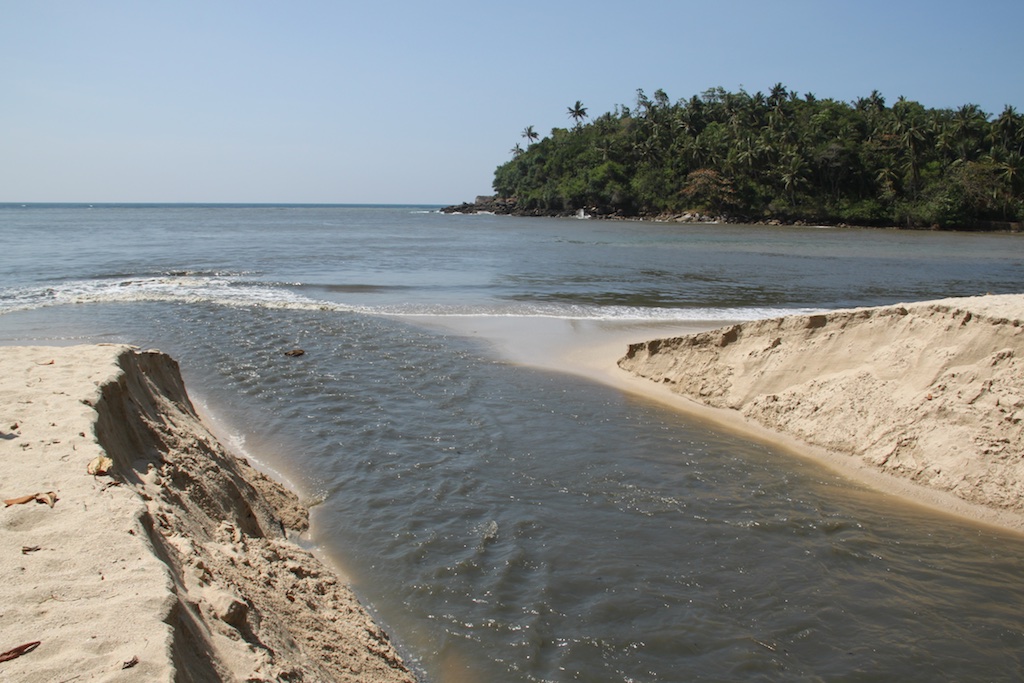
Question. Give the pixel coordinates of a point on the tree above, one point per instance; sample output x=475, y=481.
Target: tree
x=777, y=96
x=909, y=129
x=792, y=172
x=577, y=112
x=530, y=134
x=778, y=155
x=1011, y=171
x=968, y=123
x=707, y=190
x=1008, y=131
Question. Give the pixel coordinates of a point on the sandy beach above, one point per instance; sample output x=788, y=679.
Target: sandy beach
x=135, y=548
x=923, y=400
x=138, y=548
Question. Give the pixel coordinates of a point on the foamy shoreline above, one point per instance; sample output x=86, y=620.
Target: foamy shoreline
x=174, y=564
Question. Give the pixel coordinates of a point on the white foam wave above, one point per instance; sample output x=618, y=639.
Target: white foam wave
x=220, y=290
x=237, y=292
x=599, y=313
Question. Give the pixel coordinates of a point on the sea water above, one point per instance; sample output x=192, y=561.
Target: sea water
x=509, y=522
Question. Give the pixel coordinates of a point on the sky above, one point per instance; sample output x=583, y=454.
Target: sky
x=417, y=102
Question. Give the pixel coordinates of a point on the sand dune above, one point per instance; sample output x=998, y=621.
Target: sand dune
x=931, y=393
x=175, y=565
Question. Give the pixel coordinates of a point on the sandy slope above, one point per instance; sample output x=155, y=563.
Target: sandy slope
x=929, y=392
x=175, y=566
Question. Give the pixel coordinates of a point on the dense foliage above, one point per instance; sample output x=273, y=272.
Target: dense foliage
x=778, y=156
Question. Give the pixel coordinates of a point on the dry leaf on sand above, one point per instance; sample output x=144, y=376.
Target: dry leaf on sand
x=18, y=651
x=50, y=498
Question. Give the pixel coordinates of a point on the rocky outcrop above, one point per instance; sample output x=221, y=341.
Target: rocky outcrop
x=486, y=204
x=510, y=207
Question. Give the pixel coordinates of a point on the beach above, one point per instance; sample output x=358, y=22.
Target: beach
x=506, y=502
x=136, y=548
x=919, y=400
x=922, y=399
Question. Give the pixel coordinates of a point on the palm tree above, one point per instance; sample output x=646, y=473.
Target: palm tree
x=908, y=127
x=746, y=152
x=777, y=95
x=1006, y=130
x=578, y=112
x=875, y=101
x=873, y=107
x=887, y=179
x=968, y=123
x=530, y=134
x=793, y=173
x=1011, y=170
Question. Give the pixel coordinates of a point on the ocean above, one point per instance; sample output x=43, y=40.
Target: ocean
x=507, y=518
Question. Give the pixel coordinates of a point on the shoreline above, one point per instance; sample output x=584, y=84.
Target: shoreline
x=158, y=555
x=509, y=207
x=593, y=349
x=917, y=400
x=906, y=492
x=175, y=561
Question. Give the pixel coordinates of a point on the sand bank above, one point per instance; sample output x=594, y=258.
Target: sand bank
x=175, y=565
x=923, y=399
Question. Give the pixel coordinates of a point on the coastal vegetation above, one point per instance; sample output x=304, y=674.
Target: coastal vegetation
x=776, y=156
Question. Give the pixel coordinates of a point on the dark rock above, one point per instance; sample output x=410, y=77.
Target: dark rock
x=485, y=204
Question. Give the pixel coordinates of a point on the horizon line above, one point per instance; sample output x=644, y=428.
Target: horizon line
x=225, y=204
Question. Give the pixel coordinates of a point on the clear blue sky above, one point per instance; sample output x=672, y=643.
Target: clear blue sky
x=418, y=102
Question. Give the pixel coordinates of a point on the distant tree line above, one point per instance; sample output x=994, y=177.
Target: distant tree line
x=777, y=156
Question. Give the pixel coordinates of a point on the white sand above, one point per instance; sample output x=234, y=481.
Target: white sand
x=925, y=399
x=173, y=567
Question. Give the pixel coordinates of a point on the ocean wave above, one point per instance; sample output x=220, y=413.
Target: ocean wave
x=237, y=291
x=178, y=288
x=595, y=312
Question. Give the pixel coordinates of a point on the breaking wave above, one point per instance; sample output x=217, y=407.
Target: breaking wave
x=242, y=292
